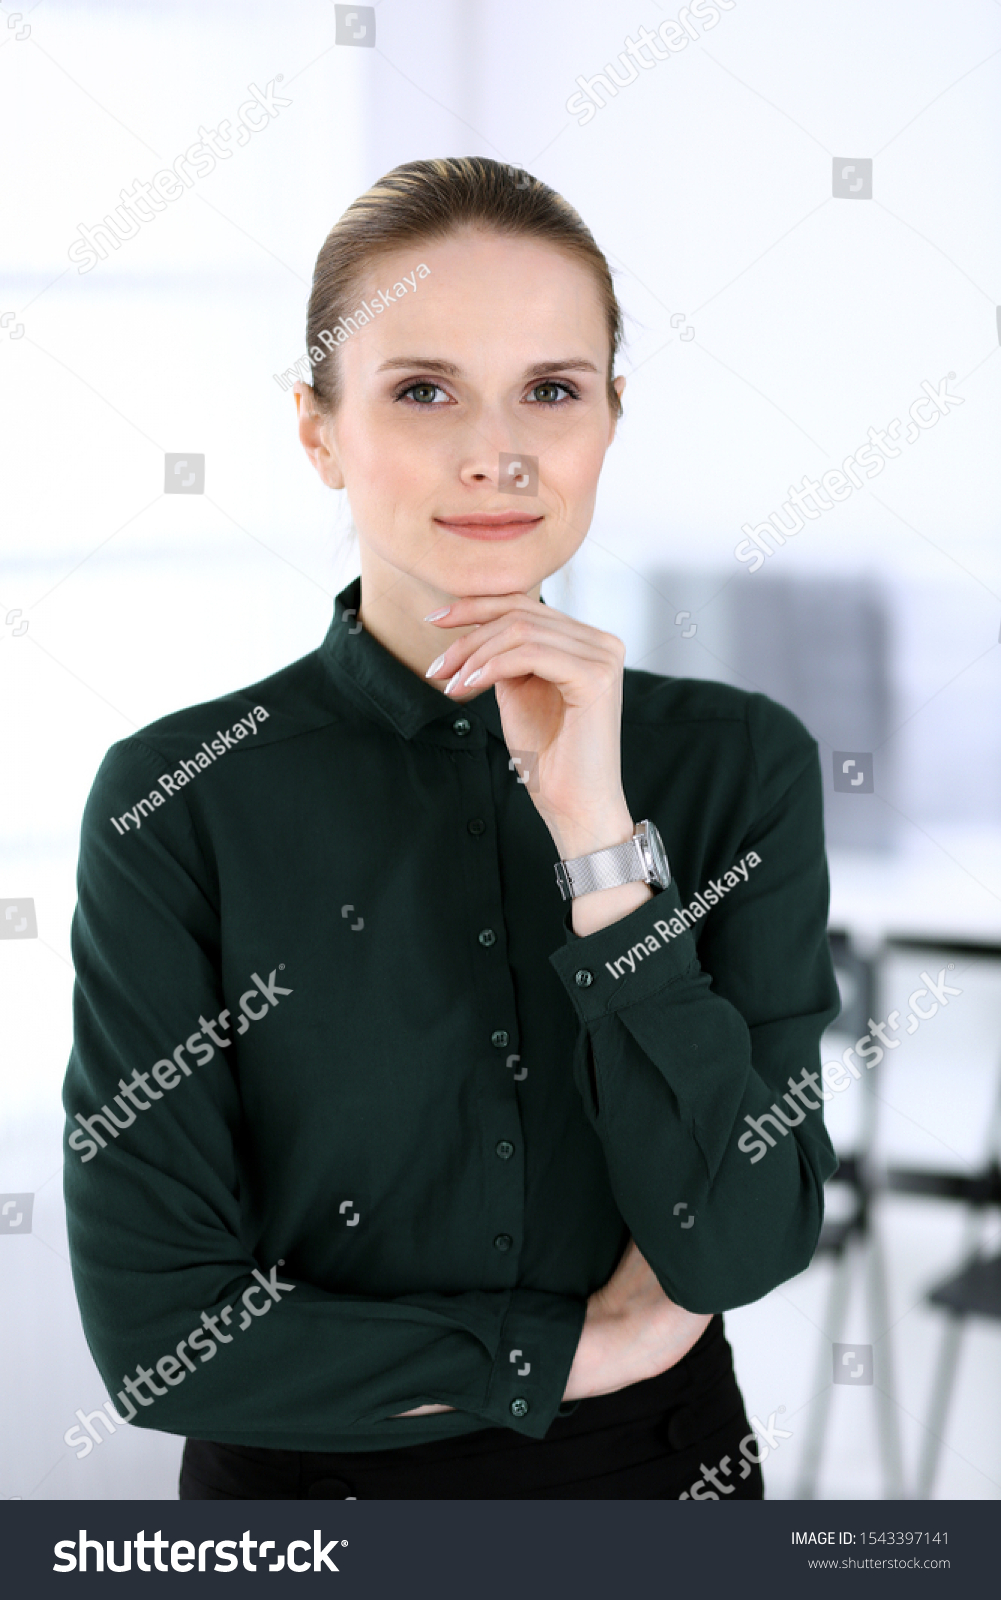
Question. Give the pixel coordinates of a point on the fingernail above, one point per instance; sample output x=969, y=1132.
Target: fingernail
x=435, y=665
x=437, y=615
x=473, y=677
x=453, y=681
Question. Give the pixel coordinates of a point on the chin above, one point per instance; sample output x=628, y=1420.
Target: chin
x=485, y=568
x=490, y=577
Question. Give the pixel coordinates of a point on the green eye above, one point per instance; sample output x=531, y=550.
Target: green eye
x=547, y=393
x=423, y=393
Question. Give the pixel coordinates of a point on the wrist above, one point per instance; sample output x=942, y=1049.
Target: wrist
x=600, y=907
x=595, y=1355
x=581, y=835
x=604, y=906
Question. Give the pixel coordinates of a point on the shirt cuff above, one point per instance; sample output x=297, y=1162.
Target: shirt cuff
x=629, y=960
x=539, y=1339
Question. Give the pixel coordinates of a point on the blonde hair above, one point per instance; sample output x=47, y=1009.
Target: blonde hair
x=424, y=200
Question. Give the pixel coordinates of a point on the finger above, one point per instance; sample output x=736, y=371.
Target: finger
x=518, y=628
x=479, y=608
x=485, y=608
x=511, y=638
x=581, y=679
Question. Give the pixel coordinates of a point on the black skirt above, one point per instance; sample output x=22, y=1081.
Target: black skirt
x=674, y=1436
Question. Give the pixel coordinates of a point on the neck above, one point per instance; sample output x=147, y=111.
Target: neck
x=394, y=605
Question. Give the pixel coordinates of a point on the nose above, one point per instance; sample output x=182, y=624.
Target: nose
x=485, y=441
x=479, y=466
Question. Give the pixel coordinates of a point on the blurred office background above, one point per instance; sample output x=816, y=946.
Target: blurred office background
x=771, y=323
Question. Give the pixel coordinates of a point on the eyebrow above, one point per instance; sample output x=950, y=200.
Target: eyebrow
x=448, y=369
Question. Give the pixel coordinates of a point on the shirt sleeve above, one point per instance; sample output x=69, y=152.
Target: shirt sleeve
x=155, y=1217
x=675, y=1058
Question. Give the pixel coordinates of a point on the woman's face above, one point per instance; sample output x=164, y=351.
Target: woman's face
x=501, y=350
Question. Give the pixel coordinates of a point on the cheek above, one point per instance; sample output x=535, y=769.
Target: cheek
x=395, y=444
x=573, y=467
x=377, y=457
x=392, y=472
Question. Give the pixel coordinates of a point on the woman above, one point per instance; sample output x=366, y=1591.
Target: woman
x=432, y=1175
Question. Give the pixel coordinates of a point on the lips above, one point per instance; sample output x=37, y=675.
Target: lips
x=490, y=524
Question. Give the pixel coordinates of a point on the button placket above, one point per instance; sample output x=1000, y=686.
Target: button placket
x=502, y=1140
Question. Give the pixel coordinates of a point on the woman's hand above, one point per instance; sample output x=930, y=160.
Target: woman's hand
x=632, y=1331
x=558, y=684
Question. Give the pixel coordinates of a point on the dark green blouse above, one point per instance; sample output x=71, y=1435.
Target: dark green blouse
x=356, y=1122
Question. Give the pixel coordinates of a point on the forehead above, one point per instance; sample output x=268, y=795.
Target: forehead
x=486, y=298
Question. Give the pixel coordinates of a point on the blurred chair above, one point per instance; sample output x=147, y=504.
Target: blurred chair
x=820, y=645
x=974, y=1290
x=852, y=1244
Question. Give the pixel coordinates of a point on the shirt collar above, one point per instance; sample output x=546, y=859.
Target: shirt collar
x=383, y=686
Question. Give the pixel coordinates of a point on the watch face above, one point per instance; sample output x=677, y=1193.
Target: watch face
x=658, y=854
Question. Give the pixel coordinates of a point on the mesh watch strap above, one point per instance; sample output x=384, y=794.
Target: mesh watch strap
x=602, y=869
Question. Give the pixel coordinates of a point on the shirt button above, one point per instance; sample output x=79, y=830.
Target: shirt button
x=519, y=1407
x=461, y=726
x=500, y=1039
x=504, y=1149
x=503, y=1241
x=583, y=979
x=476, y=826
x=487, y=937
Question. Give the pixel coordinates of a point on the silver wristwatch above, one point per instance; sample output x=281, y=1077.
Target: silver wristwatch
x=641, y=858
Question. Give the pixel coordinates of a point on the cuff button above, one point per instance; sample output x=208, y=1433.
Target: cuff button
x=583, y=979
x=519, y=1407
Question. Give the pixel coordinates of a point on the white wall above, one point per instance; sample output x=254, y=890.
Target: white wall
x=708, y=182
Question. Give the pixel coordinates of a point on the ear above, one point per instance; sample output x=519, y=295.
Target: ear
x=618, y=384
x=315, y=436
